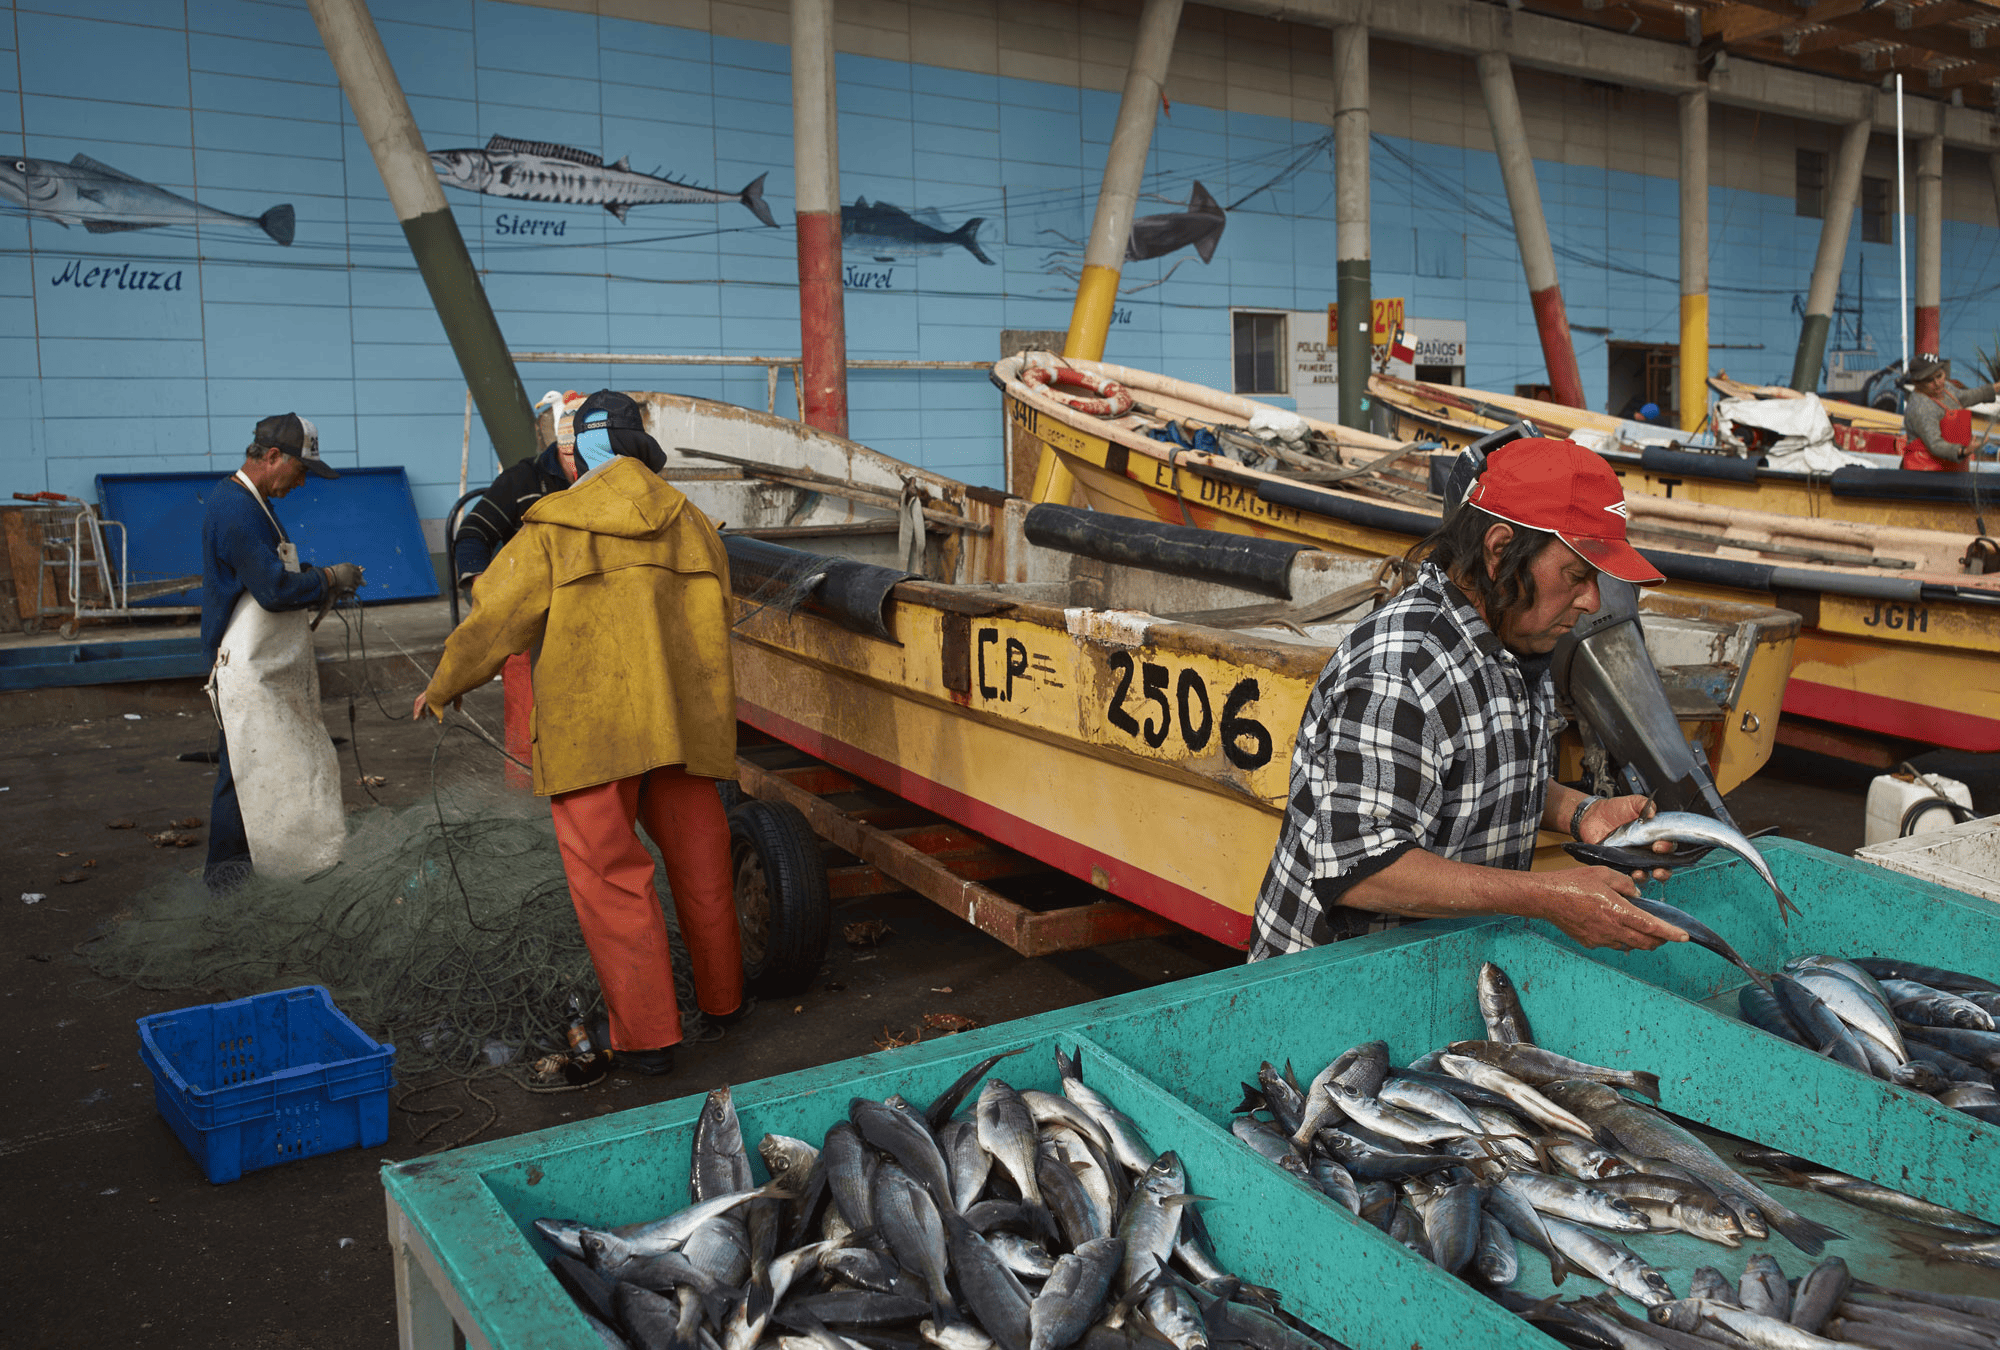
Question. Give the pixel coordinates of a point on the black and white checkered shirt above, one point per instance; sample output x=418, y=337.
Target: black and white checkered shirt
x=1422, y=732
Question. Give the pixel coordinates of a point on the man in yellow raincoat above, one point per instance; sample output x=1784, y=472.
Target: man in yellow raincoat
x=622, y=588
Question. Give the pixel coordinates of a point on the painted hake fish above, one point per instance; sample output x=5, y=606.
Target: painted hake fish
x=886, y=232
x=105, y=200
x=1200, y=225
x=541, y=171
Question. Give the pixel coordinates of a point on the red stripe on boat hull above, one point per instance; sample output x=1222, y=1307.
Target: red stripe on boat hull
x=1892, y=716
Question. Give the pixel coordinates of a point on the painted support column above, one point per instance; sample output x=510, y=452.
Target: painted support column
x=1124, y=168
x=1930, y=243
x=1843, y=191
x=816, y=178
x=1350, y=214
x=1693, y=392
x=1531, y=227
x=414, y=195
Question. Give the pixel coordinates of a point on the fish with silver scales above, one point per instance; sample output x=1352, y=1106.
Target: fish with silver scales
x=1559, y=1162
x=887, y=1236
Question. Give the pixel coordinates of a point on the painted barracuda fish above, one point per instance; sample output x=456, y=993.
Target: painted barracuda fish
x=887, y=232
x=541, y=171
x=104, y=200
x=1200, y=225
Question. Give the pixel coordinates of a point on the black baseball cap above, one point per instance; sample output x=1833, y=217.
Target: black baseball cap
x=295, y=436
x=609, y=410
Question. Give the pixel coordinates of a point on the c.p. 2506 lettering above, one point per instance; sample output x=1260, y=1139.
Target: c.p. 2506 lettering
x=1246, y=742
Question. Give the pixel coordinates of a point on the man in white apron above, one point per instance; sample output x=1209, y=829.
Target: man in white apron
x=277, y=785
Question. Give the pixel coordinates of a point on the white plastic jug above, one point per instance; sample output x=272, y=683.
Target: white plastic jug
x=1894, y=809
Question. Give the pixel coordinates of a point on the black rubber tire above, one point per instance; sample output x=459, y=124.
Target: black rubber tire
x=779, y=879
x=731, y=793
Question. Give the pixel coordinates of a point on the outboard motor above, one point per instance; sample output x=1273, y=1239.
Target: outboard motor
x=1603, y=670
x=1471, y=461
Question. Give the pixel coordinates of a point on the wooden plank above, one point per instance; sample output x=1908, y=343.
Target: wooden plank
x=822, y=780
x=1024, y=930
x=24, y=559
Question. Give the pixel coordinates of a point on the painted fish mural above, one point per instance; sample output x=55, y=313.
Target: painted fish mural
x=105, y=200
x=541, y=171
x=1200, y=225
x=888, y=232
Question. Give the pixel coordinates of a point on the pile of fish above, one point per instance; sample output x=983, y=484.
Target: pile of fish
x=1484, y=1145
x=1929, y=1030
x=1828, y=1306
x=1968, y=1240
x=1479, y=1149
x=1031, y=1221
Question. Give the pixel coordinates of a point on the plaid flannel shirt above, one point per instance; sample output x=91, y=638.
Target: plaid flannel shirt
x=1422, y=732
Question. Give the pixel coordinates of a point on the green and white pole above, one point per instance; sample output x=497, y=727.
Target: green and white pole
x=1350, y=216
x=418, y=201
x=1843, y=193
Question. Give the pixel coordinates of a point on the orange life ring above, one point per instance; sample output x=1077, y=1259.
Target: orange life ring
x=1113, y=399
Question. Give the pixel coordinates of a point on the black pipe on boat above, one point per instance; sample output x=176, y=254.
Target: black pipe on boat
x=1914, y=485
x=1663, y=459
x=1369, y=515
x=853, y=594
x=1260, y=565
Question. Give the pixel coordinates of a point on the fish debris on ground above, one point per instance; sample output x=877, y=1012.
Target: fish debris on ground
x=1072, y=1231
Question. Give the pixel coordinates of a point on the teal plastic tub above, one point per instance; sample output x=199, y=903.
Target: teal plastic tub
x=1172, y=1057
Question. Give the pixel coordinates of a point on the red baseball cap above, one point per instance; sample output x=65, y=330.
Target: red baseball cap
x=1559, y=486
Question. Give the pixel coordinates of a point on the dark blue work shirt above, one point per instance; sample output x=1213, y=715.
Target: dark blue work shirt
x=239, y=552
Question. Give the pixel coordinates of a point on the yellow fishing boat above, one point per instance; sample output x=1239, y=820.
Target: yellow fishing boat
x=1901, y=632
x=1664, y=466
x=1067, y=727
x=1132, y=725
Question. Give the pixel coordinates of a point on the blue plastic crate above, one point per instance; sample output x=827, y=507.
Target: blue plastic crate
x=267, y=1079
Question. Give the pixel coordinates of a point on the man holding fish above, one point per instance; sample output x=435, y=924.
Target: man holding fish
x=1426, y=756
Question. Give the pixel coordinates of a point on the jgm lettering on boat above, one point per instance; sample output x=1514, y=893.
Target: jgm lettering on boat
x=1914, y=618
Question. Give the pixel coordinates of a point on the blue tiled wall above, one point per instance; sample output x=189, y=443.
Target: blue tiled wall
x=233, y=103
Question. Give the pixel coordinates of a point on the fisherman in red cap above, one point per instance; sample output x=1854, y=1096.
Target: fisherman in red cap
x=1425, y=761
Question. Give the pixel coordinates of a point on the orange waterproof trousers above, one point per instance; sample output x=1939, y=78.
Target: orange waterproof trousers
x=611, y=884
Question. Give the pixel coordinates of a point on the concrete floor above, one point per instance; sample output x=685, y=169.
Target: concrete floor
x=102, y=1199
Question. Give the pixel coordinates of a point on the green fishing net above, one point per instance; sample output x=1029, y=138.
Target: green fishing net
x=446, y=929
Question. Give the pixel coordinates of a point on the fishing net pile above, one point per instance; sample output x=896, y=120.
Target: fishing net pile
x=446, y=929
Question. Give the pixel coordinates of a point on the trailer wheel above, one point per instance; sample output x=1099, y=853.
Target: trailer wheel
x=781, y=895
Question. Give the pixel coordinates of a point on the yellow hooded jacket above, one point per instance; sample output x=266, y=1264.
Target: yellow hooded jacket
x=624, y=586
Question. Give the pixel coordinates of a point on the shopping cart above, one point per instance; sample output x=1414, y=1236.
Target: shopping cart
x=74, y=570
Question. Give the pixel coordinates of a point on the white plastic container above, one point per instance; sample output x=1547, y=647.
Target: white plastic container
x=1891, y=797
x=1964, y=857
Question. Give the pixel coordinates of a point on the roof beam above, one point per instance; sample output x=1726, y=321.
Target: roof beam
x=1582, y=51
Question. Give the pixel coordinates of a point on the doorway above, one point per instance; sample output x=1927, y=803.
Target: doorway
x=1639, y=373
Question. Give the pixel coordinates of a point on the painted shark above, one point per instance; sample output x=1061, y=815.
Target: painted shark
x=1201, y=225
x=888, y=232
x=541, y=171
x=104, y=200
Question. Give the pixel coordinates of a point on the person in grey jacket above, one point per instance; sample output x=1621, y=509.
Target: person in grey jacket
x=1931, y=396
